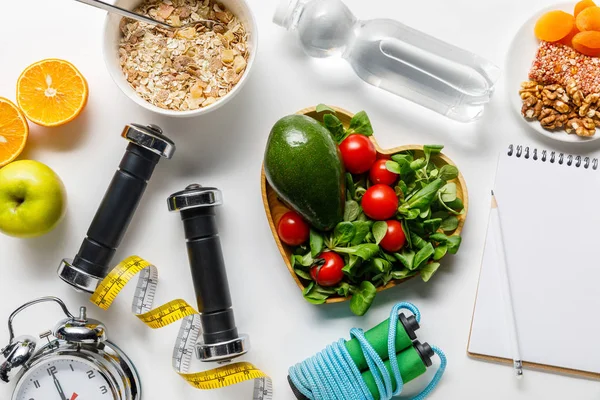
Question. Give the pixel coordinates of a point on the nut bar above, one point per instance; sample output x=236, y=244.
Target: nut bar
x=559, y=64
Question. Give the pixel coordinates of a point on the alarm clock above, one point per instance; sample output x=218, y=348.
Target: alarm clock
x=76, y=363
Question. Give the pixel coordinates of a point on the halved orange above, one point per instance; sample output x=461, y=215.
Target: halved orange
x=51, y=92
x=13, y=131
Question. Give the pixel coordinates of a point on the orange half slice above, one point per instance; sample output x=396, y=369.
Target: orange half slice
x=52, y=92
x=13, y=131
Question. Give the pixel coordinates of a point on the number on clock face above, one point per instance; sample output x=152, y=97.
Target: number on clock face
x=63, y=378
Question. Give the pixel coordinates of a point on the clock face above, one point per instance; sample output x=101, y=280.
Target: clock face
x=63, y=378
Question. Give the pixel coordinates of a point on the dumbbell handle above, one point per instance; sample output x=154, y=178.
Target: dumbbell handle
x=209, y=275
x=116, y=211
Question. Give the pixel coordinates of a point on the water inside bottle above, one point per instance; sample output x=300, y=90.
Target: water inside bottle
x=455, y=89
x=390, y=55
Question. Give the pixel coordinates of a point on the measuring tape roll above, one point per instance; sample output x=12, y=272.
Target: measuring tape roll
x=189, y=332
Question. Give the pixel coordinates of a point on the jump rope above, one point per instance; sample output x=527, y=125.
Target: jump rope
x=372, y=366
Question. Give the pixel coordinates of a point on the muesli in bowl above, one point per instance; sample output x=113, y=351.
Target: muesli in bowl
x=186, y=71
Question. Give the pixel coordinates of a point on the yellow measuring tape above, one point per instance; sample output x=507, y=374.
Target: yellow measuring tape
x=175, y=310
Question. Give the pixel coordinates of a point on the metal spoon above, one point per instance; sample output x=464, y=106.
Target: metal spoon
x=142, y=18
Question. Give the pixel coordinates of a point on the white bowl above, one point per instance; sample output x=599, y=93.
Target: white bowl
x=112, y=37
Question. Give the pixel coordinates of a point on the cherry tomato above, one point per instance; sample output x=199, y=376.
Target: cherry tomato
x=380, y=174
x=380, y=202
x=330, y=273
x=292, y=229
x=394, y=238
x=358, y=153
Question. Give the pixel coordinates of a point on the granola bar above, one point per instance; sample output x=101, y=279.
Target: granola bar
x=556, y=63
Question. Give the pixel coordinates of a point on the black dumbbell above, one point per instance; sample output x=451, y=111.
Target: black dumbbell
x=92, y=263
x=220, y=339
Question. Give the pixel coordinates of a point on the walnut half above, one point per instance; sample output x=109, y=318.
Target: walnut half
x=551, y=119
x=581, y=126
x=532, y=107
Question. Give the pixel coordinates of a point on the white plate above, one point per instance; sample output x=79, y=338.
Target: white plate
x=519, y=59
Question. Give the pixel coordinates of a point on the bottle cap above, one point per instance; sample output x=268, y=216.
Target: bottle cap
x=284, y=12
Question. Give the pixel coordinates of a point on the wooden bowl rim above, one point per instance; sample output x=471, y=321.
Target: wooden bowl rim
x=280, y=245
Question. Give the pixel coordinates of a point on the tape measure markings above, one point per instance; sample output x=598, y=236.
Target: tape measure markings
x=188, y=334
x=184, y=344
x=115, y=281
x=166, y=314
x=264, y=388
x=228, y=375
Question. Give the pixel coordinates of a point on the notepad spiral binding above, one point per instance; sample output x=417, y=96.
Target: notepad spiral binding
x=553, y=156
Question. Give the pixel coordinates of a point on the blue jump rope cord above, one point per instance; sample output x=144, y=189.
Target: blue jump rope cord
x=333, y=375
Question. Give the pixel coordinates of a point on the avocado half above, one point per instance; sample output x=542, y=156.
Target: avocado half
x=303, y=165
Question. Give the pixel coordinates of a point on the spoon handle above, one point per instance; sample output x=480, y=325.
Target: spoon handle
x=121, y=11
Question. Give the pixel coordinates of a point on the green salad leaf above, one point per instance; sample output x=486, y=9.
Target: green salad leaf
x=379, y=231
x=449, y=224
x=362, y=228
x=334, y=125
x=317, y=243
x=431, y=150
x=345, y=289
x=405, y=273
x=303, y=274
x=428, y=271
x=407, y=258
x=363, y=298
x=364, y=251
x=440, y=252
x=343, y=233
x=325, y=108
x=351, y=211
x=316, y=294
x=448, y=172
x=361, y=123
x=453, y=244
x=423, y=255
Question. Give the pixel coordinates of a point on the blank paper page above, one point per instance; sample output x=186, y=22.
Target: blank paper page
x=550, y=216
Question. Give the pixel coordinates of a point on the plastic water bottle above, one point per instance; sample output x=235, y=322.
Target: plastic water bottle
x=390, y=55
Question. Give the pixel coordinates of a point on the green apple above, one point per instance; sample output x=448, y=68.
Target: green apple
x=32, y=199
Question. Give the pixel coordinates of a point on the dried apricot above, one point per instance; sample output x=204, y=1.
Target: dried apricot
x=554, y=25
x=568, y=40
x=589, y=19
x=582, y=5
x=587, y=43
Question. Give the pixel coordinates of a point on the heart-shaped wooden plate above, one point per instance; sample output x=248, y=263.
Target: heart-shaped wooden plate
x=275, y=208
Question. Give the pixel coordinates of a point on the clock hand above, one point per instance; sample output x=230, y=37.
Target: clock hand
x=59, y=388
x=75, y=395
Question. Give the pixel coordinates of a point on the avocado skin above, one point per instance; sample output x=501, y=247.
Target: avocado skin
x=303, y=166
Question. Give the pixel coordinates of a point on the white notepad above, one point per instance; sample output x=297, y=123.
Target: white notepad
x=549, y=207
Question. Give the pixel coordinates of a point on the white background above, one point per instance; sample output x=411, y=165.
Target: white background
x=225, y=149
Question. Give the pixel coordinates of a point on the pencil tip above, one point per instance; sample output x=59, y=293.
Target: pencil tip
x=492, y=192
x=518, y=364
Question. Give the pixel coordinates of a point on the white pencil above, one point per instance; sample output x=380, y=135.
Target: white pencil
x=505, y=283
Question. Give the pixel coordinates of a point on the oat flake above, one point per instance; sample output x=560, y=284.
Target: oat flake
x=185, y=69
